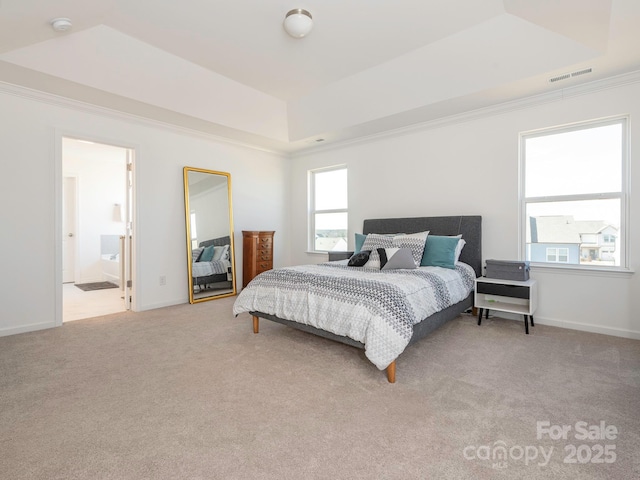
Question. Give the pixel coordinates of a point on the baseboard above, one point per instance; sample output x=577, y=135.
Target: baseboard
x=107, y=277
x=171, y=303
x=584, y=327
x=5, y=332
x=587, y=327
x=90, y=280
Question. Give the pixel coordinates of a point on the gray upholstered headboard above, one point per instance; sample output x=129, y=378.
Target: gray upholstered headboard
x=217, y=242
x=470, y=226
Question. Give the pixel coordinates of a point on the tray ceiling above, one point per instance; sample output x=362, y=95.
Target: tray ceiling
x=229, y=68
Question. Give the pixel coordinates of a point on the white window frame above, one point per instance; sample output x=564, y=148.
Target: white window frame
x=622, y=195
x=312, y=208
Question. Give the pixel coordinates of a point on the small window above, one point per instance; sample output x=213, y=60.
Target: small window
x=573, y=190
x=328, y=218
x=557, y=255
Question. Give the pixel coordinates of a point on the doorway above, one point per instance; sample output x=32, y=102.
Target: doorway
x=97, y=197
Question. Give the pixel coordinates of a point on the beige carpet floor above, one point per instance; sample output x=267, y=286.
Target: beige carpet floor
x=189, y=392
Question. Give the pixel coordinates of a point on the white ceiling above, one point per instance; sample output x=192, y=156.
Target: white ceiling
x=228, y=68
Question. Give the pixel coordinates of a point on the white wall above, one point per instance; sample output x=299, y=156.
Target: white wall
x=211, y=211
x=29, y=128
x=468, y=167
x=471, y=167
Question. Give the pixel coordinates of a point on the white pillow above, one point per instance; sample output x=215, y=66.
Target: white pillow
x=459, y=247
x=220, y=253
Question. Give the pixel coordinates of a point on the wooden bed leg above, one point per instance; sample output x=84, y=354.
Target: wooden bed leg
x=256, y=324
x=391, y=372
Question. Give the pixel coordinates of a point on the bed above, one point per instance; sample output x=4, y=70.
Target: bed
x=215, y=271
x=349, y=286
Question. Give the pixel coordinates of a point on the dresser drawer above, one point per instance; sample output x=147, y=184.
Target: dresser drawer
x=263, y=267
x=502, y=290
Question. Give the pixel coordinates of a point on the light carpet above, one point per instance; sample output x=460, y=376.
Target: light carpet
x=189, y=392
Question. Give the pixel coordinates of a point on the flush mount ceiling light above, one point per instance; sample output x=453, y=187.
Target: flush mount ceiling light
x=298, y=22
x=61, y=24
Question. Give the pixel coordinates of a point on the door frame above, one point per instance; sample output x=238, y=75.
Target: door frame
x=59, y=134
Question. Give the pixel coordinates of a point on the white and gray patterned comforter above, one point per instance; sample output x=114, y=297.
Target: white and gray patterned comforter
x=204, y=269
x=375, y=307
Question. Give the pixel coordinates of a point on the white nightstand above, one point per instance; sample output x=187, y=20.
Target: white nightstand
x=506, y=296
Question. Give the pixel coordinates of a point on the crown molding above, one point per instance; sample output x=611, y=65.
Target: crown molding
x=608, y=83
x=85, y=107
x=616, y=81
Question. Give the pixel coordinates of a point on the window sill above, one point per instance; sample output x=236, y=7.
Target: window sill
x=315, y=252
x=583, y=270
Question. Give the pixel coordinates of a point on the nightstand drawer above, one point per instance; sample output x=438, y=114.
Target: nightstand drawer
x=502, y=290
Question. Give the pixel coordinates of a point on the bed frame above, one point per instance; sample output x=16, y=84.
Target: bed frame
x=470, y=226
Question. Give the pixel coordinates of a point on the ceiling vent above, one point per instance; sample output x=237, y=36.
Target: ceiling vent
x=566, y=76
x=559, y=77
x=582, y=72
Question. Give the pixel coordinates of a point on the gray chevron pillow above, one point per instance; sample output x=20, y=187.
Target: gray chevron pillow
x=396, y=258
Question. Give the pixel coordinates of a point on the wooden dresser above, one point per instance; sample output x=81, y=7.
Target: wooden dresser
x=257, y=254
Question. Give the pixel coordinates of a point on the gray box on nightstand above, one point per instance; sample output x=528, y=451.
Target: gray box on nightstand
x=507, y=270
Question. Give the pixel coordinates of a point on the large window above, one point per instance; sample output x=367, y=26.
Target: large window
x=328, y=219
x=574, y=194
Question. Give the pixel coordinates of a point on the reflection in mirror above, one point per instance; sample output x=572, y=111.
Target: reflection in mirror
x=209, y=225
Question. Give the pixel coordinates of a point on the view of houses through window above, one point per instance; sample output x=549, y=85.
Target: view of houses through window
x=328, y=219
x=573, y=194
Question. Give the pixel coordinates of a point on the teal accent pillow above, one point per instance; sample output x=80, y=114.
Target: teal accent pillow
x=360, y=238
x=207, y=254
x=440, y=251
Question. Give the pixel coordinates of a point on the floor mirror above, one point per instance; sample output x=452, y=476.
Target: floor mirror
x=209, y=232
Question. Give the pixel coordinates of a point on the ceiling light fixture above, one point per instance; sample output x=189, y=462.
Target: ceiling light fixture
x=298, y=22
x=61, y=24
